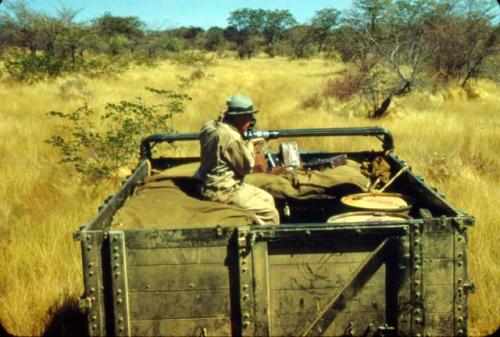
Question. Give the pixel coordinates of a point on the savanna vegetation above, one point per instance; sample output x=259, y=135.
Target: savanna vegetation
x=75, y=99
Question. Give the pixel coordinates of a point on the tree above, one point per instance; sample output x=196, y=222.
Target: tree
x=275, y=24
x=301, y=38
x=215, y=40
x=463, y=39
x=245, y=27
x=119, y=32
x=390, y=49
x=324, y=21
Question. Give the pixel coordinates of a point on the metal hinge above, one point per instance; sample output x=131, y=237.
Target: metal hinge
x=84, y=304
x=469, y=287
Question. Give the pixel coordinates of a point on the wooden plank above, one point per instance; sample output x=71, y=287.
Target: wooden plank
x=438, y=298
x=182, y=304
x=182, y=327
x=178, y=277
x=438, y=272
x=312, y=302
x=438, y=245
x=165, y=238
x=174, y=256
x=316, y=258
x=313, y=276
x=261, y=289
x=330, y=246
x=439, y=324
x=294, y=325
x=356, y=282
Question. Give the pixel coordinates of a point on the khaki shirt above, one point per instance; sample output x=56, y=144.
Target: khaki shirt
x=225, y=157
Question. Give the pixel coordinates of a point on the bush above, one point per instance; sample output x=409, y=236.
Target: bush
x=99, y=146
x=344, y=87
x=192, y=58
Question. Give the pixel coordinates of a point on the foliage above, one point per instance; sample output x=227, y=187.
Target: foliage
x=99, y=146
x=192, y=58
x=250, y=29
x=325, y=20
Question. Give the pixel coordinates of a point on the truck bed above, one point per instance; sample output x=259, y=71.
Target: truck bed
x=304, y=277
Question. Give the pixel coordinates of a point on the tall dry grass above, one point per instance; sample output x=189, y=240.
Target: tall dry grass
x=452, y=137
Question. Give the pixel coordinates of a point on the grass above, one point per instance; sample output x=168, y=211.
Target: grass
x=451, y=137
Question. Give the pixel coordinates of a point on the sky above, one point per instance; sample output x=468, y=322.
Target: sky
x=159, y=14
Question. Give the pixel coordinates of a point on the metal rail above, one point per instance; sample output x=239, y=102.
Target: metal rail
x=382, y=134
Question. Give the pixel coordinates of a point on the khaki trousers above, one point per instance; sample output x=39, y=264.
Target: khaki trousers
x=253, y=199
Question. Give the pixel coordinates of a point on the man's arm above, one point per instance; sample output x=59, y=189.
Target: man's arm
x=241, y=156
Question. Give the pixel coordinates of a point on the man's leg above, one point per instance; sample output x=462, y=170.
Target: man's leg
x=257, y=201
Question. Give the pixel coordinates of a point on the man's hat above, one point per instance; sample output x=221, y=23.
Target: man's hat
x=239, y=105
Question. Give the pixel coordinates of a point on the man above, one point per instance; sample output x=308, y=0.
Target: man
x=226, y=158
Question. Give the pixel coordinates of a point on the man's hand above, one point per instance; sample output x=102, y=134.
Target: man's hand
x=258, y=144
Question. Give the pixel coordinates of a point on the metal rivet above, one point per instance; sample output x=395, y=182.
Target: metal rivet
x=459, y=280
x=460, y=263
x=116, y=256
x=246, y=324
x=460, y=255
x=459, y=238
x=460, y=319
x=117, y=274
x=117, y=265
x=115, y=249
x=243, y=270
x=417, y=294
x=119, y=301
x=246, y=315
x=94, y=317
x=88, y=237
x=418, y=320
x=89, y=247
x=119, y=291
x=245, y=287
x=120, y=329
x=243, y=262
x=91, y=273
x=245, y=297
x=120, y=319
x=417, y=267
x=308, y=233
x=92, y=290
x=460, y=332
x=94, y=326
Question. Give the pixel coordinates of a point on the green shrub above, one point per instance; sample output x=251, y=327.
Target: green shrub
x=193, y=58
x=98, y=147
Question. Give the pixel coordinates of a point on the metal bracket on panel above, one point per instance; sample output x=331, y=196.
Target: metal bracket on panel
x=417, y=286
x=91, y=303
x=245, y=268
x=119, y=282
x=462, y=284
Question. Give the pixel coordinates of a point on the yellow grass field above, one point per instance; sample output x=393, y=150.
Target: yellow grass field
x=451, y=137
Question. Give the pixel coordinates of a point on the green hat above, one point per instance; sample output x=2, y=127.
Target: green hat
x=239, y=105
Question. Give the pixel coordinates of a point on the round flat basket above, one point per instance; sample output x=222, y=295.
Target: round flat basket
x=384, y=202
x=366, y=217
